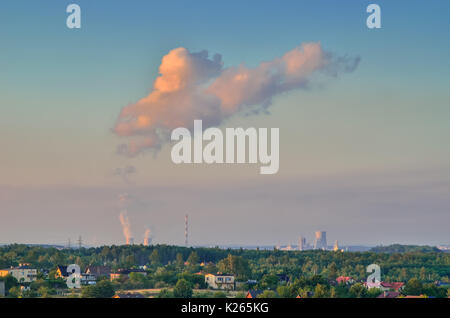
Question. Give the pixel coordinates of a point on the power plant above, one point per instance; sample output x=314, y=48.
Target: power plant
x=301, y=243
x=320, y=242
x=336, y=246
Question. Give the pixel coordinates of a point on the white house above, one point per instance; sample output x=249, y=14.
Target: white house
x=88, y=279
x=23, y=273
x=220, y=281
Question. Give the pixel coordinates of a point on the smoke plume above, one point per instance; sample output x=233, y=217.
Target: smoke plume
x=126, y=228
x=147, y=238
x=193, y=86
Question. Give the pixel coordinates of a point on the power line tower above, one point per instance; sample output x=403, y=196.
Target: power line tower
x=80, y=242
x=69, y=245
x=186, y=230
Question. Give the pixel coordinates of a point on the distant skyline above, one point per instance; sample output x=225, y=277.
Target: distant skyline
x=363, y=152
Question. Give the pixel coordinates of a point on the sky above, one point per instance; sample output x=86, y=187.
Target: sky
x=364, y=124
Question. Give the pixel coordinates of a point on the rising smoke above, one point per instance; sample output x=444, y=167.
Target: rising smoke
x=126, y=227
x=147, y=238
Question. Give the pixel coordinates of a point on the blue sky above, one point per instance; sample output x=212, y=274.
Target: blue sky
x=61, y=91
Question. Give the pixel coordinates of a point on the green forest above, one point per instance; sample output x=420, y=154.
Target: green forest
x=179, y=271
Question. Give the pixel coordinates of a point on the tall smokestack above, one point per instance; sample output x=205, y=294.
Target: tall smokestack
x=186, y=230
x=147, y=237
x=126, y=228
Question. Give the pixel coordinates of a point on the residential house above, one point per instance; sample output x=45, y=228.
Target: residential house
x=253, y=293
x=93, y=273
x=442, y=284
x=4, y=272
x=88, y=279
x=98, y=271
x=23, y=273
x=114, y=276
x=345, y=280
x=61, y=272
x=220, y=281
x=309, y=294
x=396, y=286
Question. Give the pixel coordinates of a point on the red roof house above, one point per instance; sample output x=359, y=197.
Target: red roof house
x=345, y=280
x=397, y=286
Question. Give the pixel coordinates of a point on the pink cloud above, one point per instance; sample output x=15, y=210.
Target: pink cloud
x=193, y=86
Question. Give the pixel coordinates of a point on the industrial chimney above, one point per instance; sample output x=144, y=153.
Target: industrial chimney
x=186, y=230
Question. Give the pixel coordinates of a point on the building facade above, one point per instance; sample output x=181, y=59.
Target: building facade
x=23, y=273
x=320, y=242
x=301, y=243
x=221, y=281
